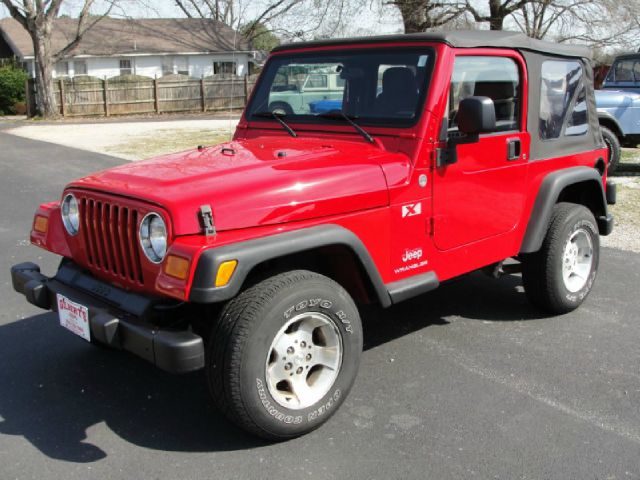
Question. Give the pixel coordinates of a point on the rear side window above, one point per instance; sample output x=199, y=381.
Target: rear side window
x=627, y=70
x=495, y=77
x=563, y=100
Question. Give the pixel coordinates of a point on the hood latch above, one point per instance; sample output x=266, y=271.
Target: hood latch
x=206, y=215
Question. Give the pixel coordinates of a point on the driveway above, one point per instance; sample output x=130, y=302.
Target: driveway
x=130, y=139
x=465, y=382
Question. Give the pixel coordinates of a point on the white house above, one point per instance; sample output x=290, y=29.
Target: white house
x=148, y=47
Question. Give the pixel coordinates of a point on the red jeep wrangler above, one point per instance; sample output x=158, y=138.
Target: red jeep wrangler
x=449, y=152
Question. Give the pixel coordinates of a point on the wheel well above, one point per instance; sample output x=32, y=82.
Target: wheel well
x=337, y=262
x=587, y=193
x=611, y=125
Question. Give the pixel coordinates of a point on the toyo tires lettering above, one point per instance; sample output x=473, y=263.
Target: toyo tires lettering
x=345, y=321
x=313, y=302
x=319, y=302
x=273, y=411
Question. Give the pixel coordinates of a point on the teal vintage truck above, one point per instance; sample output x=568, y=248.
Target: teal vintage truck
x=297, y=93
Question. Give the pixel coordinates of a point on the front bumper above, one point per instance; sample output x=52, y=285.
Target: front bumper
x=117, y=318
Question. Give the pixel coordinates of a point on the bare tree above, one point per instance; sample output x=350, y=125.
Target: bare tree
x=38, y=18
x=291, y=19
x=423, y=15
x=597, y=23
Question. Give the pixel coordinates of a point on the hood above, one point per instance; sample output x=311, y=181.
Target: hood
x=617, y=99
x=253, y=182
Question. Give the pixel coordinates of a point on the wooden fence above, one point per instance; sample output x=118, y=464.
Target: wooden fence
x=139, y=95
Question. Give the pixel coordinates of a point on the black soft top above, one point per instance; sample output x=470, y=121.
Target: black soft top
x=459, y=39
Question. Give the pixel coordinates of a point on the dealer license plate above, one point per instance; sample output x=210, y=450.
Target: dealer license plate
x=74, y=317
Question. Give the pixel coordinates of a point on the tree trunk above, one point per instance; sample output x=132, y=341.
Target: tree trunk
x=496, y=15
x=413, y=14
x=45, y=95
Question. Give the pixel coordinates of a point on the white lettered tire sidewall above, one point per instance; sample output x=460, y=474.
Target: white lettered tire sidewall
x=574, y=299
x=335, y=303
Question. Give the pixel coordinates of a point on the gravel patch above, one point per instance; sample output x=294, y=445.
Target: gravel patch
x=131, y=140
x=626, y=232
x=160, y=142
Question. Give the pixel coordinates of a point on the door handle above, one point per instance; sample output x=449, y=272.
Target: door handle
x=514, y=149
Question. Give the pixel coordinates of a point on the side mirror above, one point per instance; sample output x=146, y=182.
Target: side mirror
x=476, y=115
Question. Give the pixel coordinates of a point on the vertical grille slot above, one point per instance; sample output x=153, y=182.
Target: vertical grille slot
x=110, y=238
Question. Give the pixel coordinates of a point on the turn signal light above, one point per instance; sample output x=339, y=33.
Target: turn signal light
x=177, y=267
x=225, y=271
x=40, y=224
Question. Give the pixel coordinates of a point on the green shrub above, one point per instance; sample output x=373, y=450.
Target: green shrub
x=12, y=81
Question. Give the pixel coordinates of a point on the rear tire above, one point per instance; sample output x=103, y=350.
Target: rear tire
x=613, y=146
x=284, y=354
x=561, y=274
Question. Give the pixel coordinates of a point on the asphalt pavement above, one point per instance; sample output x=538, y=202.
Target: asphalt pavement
x=468, y=381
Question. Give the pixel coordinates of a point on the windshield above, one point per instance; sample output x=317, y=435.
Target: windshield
x=625, y=71
x=372, y=86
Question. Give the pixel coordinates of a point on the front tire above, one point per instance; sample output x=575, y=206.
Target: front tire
x=284, y=354
x=561, y=274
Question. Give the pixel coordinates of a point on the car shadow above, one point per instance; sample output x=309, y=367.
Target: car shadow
x=54, y=387
x=474, y=297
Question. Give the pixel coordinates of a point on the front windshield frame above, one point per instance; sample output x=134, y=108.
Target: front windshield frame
x=260, y=99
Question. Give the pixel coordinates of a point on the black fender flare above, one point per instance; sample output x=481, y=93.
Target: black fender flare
x=610, y=118
x=253, y=252
x=549, y=192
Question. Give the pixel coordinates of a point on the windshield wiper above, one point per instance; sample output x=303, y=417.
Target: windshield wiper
x=278, y=117
x=339, y=114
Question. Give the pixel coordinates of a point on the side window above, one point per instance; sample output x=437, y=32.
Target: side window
x=316, y=80
x=578, y=121
x=623, y=71
x=495, y=77
x=562, y=100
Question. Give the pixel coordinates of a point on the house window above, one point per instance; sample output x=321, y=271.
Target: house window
x=171, y=65
x=62, y=69
x=125, y=67
x=167, y=66
x=79, y=67
x=224, y=68
x=181, y=65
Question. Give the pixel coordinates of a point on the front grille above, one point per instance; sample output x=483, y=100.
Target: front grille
x=110, y=238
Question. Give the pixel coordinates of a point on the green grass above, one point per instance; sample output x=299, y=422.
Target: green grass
x=166, y=141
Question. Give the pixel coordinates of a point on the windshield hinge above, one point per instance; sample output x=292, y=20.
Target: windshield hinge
x=207, y=220
x=445, y=156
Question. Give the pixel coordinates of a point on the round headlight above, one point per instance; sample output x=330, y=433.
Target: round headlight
x=70, y=214
x=153, y=237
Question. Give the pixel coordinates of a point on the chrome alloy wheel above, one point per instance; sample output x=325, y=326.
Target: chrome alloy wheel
x=577, y=260
x=304, y=360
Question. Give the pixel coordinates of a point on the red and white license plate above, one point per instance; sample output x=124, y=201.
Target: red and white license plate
x=74, y=317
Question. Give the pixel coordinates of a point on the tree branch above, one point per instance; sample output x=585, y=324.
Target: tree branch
x=81, y=30
x=15, y=13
